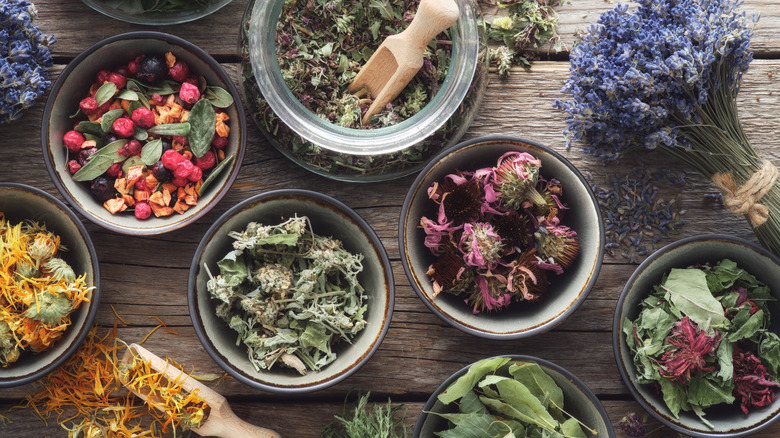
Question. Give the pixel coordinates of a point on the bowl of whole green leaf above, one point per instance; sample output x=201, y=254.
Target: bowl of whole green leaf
x=290, y=291
x=695, y=336
x=513, y=396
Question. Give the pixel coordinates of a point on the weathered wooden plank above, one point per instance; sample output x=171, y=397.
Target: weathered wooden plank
x=85, y=27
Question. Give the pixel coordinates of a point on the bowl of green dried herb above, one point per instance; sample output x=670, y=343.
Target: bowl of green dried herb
x=501, y=237
x=301, y=56
x=143, y=133
x=695, y=336
x=156, y=12
x=290, y=291
x=523, y=395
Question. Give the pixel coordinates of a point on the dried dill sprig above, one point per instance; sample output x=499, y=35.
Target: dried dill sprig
x=289, y=294
x=378, y=422
x=522, y=27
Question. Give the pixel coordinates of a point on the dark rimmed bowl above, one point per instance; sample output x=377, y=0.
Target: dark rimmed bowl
x=579, y=401
x=20, y=203
x=728, y=421
x=329, y=217
x=155, y=19
x=72, y=86
x=566, y=291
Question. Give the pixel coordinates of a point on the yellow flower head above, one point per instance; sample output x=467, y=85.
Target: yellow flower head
x=504, y=23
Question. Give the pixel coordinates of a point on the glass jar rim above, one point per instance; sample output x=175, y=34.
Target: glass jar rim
x=265, y=67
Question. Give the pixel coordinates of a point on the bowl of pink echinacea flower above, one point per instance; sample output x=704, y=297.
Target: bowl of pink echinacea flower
x=501, y=237
x=695, y=336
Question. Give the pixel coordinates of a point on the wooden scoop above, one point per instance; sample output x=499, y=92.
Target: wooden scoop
x=400, y=56
x=221, y=421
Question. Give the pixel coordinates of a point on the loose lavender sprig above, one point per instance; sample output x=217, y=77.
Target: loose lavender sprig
x=24, y=58
x=666, y=76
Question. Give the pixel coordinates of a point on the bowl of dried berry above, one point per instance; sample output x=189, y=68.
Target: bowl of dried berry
x=290, y=291
x=501, y=237
x=143, y=133
x=695, y=336
x=50, y=283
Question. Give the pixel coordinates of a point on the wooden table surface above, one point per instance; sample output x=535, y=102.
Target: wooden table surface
x=144, y=277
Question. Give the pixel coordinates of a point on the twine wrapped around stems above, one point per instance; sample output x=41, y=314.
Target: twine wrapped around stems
x=744, y=199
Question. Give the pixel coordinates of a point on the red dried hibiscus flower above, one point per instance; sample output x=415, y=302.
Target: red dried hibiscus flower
x=693, y=347
x=752, y=387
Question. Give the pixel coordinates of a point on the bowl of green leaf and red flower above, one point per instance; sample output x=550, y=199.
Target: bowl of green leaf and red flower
x=143, y=133
x=501, y=237
x=695, y=336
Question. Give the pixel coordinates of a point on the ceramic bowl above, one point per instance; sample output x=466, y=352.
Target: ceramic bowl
x=72, y=86
x=579, y=401
x=122, y=10
x=566, y=291
x=728, y=421
x=329, y=217
x=20, y=203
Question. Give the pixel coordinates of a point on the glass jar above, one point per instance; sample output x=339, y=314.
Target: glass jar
x=361, y=155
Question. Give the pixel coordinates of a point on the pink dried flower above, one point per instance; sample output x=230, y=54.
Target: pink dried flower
x=492, y=295
x=515, y=178
x=434, y=233
x=481, y=245
x=558, y=244
x=693, y=347
x=752, y=386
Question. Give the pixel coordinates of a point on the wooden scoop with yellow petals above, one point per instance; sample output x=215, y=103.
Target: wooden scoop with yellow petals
x=177, y=394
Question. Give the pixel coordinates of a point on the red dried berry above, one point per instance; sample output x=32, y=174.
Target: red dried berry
x=183, y=169
x=115, y=171
x=141, y=183
x=88, y=106
x=171, y=159
x=182, y=140
x=123, y=70
x=189, y=93
x=179, y=182
x=132, y=67
x=73, y=140
x=219, y=142
x=195, y=174
x=179, y=72
x=119, y=80
x=193, y=80
x=73, y=166
x=105, y=107
x=207, y=161
x=123, y=127
x=156, y=99
x=102, y=76
x=142, y=210
x=134, y=147
x=143, y=117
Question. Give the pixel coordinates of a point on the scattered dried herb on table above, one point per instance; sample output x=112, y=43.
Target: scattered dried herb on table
x=38, y=290
x=150, y=137
x=497, y=233
x=289, y=294
x=502, y=397
x=363, y=422
x=703, y=339
x=87, y=397
x=521, y=28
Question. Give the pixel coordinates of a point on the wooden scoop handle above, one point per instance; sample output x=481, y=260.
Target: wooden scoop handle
x=432, y=17
x=230, y=426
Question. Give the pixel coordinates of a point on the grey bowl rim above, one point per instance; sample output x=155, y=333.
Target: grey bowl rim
x=457, y=324
x=200, y=53
x=616, y=343
x=94, y=300
x=518, y=357
x=192, y=292
x=144, y=19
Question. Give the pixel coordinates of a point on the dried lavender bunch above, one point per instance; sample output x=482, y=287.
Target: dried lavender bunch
x=24, y=57
x=665, y=76
x=289, y=294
